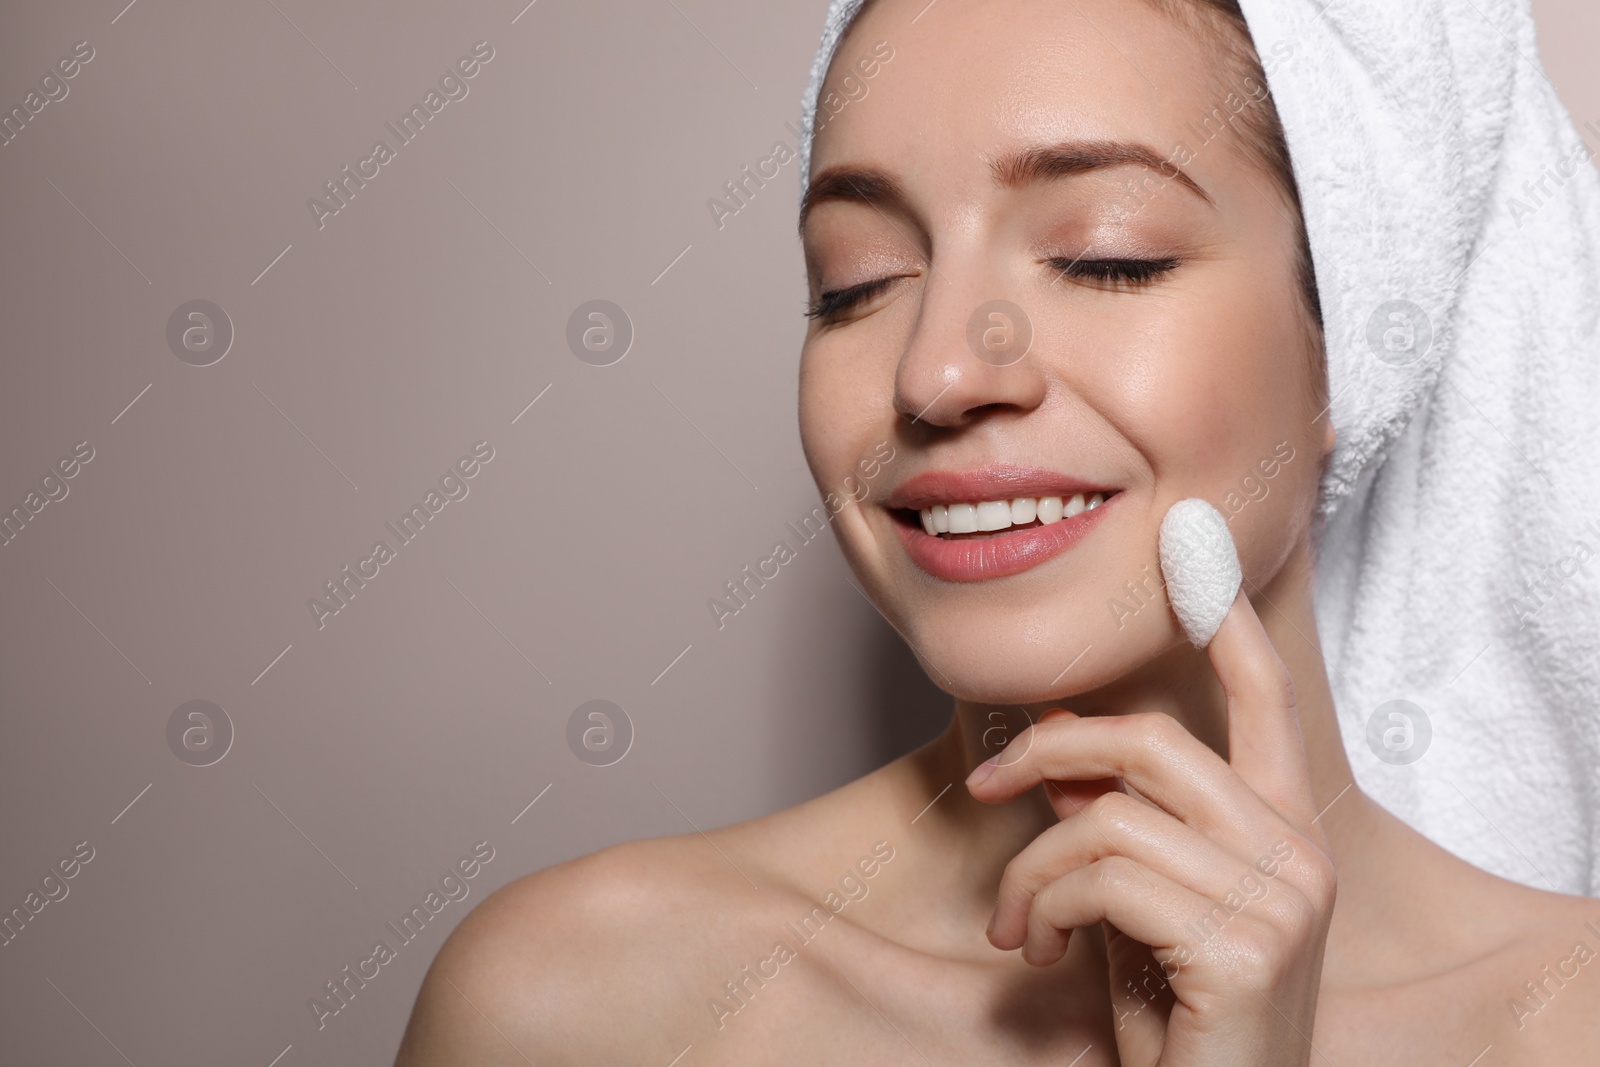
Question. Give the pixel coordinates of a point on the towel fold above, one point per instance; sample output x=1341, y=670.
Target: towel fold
x=1454, y=218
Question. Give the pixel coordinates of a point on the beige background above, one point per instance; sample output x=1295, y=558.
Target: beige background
x=369, y=355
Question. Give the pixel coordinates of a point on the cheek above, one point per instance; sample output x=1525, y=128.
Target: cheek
x=819, y=413
x=1229, y=385
x=843, y=401
x=1177, y=389
x=1205, y=388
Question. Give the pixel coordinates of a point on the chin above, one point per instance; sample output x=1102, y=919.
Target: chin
x=1011, y=654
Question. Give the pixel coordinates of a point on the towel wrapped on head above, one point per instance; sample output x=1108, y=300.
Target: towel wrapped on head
x=1453, y=216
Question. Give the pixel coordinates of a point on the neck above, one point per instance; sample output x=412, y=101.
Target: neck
x=1181, y=683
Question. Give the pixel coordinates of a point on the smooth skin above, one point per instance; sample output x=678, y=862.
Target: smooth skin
x=1169, y=861
x=1247, y=994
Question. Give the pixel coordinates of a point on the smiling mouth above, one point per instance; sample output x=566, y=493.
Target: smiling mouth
x=983, y=520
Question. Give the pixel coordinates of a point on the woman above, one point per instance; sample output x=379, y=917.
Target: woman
x=1034, y=329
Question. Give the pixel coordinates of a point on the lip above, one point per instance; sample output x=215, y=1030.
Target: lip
x=990, y=483
x=1001, y=554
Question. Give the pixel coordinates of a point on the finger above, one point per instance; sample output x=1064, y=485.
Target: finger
x=1210, y=984
x=1265, y=745
x=1141, y=997
x=1069, y=798
x=1153, y=753
x=1144, y=904
x=1115, y=824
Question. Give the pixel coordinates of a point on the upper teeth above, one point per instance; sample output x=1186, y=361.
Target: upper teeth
x=999, y=514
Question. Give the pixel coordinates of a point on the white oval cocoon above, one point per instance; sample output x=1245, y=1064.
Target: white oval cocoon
x=1201, y=567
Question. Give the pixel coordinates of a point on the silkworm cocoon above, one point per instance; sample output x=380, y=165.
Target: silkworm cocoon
x=1201, y=567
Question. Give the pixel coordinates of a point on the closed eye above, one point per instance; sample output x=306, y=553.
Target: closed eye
x=1114, y=273
x=1106, y=273
x=829, y=304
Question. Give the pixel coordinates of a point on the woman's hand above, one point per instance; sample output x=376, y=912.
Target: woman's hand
x=1216, y=900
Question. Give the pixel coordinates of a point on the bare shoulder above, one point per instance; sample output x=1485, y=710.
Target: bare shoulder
x=1551, y=979
x=621, y=955
x=583, y=962
x=1527, y=988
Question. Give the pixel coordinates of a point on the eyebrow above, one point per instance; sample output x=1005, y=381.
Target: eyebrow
x=1042, y=163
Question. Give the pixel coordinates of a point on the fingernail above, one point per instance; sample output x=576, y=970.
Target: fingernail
x=989, y=933
x=982, y=771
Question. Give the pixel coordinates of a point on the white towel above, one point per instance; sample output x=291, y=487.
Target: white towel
x=1454, y=220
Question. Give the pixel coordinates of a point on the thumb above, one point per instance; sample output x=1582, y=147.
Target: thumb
x=1141, y=998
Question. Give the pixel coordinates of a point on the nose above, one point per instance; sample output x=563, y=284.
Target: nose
x=972, y=350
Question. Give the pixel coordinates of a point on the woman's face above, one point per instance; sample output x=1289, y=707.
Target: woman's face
x=1148, y=339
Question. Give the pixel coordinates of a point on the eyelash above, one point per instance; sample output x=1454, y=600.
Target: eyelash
x=832, y=303
x=1134, y=273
